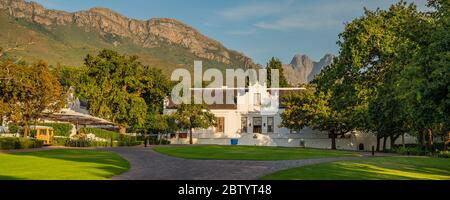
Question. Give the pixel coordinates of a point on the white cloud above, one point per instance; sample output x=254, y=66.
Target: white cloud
x=298, y=22
x=248, y=11
x=241, y=32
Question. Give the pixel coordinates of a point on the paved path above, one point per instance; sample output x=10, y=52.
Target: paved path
x=147, y=164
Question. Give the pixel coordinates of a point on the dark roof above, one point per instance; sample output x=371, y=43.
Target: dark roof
x=221, y=106
x=225, y=106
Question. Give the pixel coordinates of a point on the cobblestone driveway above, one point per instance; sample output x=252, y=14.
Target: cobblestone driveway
x=147, y=164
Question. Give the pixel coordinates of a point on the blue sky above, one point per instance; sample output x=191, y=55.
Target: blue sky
x=258, y=28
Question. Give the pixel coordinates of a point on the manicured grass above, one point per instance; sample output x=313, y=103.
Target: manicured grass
x=61, y=164
x=248, y=152
x=387, y=168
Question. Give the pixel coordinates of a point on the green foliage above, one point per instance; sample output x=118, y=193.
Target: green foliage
x=444, y=154
x=310, y=108
x=391, y=75
x=119, y=88
x=101, y=133
x=155, y=141
x=129, y=141
x=60, y=129
x=413, y=150
x=191, y=116
x=86, y=143
x=160, y=124
x=113, y=85
x=69, y=76
x=13, y=128
x=276, y=64
x=19, y=143
x=29, y=92
x=60, y=141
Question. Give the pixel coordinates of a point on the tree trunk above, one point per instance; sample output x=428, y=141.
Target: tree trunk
x=378, y=143
x=430, y=139
x=333, y=139
x=421, y=138
x=384, y=143
x=403, y=140
x=190, y=136
x=26, y=129
x=393, y=139
x=122, y=130
x=447, y=141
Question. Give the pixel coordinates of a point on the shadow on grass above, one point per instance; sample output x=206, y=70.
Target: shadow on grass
x=10, y=178
x=392, y=168
x=108, y=163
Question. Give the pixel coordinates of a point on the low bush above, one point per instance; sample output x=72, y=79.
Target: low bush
x=155, y=141
x=125, y=140
x=444, y=154
x=60, y=141
x=440, y=146
x=20, y=143
x=101, y=133
x=60, y=129
x=415, y=150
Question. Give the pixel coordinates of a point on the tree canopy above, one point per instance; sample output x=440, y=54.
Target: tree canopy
x=191, y=116
x=391, y=75
x=275, y=63
x=28, y=92
x=121, y=89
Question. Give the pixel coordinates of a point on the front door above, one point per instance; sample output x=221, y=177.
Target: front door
x=257, y=125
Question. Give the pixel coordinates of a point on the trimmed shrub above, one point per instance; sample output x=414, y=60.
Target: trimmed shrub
x=101, y=133
x=87, y=143
x=8, y=143
x=60, y=129
x=60, y=141
x=20, y=143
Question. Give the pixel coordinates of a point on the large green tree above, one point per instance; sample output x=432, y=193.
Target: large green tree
x=310, y=108
x=160, y=124
x=424, y=84
x=374, y=49
x=113, y=86
x=192, y=116
x=29, y=92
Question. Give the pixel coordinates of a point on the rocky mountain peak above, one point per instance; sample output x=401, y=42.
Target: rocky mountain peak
x=300, y=60
x=302, y=69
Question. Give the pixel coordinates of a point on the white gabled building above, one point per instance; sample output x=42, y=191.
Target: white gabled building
x=254, y=119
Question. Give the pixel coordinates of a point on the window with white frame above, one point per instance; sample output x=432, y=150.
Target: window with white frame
x=257, y=100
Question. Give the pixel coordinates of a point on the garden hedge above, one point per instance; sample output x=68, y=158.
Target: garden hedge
x=19, y=143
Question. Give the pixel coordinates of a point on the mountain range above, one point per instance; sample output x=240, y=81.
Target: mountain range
x=66, y=38
x=302, y=69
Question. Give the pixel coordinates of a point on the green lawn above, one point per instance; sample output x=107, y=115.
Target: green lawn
x=388, y=168
x=248, y=152
x=61, y=164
